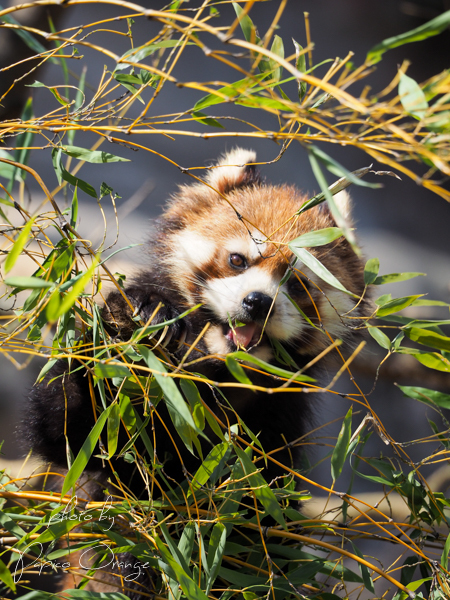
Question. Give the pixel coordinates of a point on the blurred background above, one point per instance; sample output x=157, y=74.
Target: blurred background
x=404, y=225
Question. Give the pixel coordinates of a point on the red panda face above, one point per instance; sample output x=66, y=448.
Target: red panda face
x=226, y=248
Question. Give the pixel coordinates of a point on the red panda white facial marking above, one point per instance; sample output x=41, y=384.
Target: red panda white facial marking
x=227, y=249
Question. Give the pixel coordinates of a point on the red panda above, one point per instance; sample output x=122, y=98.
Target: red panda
x=221, y=243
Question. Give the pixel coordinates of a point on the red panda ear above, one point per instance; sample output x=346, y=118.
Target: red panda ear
x=233, y=170
x=344, y=205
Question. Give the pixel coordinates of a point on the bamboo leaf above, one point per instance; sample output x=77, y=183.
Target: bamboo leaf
x=395, y=277
x=371, y=269
x=380, y=337
x=92, y=156
x=209, y=465
x=319, y=269
x=396, y=305
x=247, y=26
x=58, y=305
x=28, y=283
x=260, y=487
x=6, y=577
x=176, y=405
x=113, y=429
x=240, y=355
x=433, y=360
x=172, y=568
x=82, y=459
x=340, y=450
x=428, y=338
x=301, y=66
x=19, y=245
x=236, y=370
x=429, y=397
x=433, y=27
x=321, y=237
x=445, y=553
x=412, y=97
x=368, y=583
x=216, y=549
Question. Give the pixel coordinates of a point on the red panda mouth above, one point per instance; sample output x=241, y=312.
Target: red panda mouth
x=246, y=336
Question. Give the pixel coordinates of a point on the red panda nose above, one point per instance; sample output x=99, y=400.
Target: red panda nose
x=257, y=305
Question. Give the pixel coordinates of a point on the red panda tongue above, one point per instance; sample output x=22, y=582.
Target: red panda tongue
x=242, y=336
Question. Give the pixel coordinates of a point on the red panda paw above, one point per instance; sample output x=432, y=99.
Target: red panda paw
x=173, y=335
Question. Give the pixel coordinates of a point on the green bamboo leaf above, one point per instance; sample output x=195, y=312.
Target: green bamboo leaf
x=63, y=174
x=431, y=28
x=54, y=90
x=319, y=269
x=186, y=544
x=8, y=171
x=214, y=460
x=428, y=338
x=110, y=370
x=74, y=209
x=260, y=487
x=333, y=166
x=371, y=269
x=6, y=577
x=135, y=55
x=77, y=182
x=365, y=573
x=320, y=237
x=28, y=283
x=79, y=464
x=429, y=397
x=445, y=552
x=228, y=92
x=340, y=450
x=301, y=66
x=426, y=302
x=26, y=36
x=176, y=405
x=216, y=549
x=58, y=305
x=433, y=360
x=172, y=568
x=265, y=366
x=247, y=26
x=395, y=277
x=205, y=120
x=253, y=101
x=236, y=370
x=380, y=337
x=19, y=245
x=127, y=78
x=412, y=97
x=395, y=305
x=315, y=155
x=278, y=49
x=334, y=188
x=58, y=529
x=92, y=156
x=113, y=429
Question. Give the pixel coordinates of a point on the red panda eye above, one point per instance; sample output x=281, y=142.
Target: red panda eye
x=297, y=286
x=237, y=261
